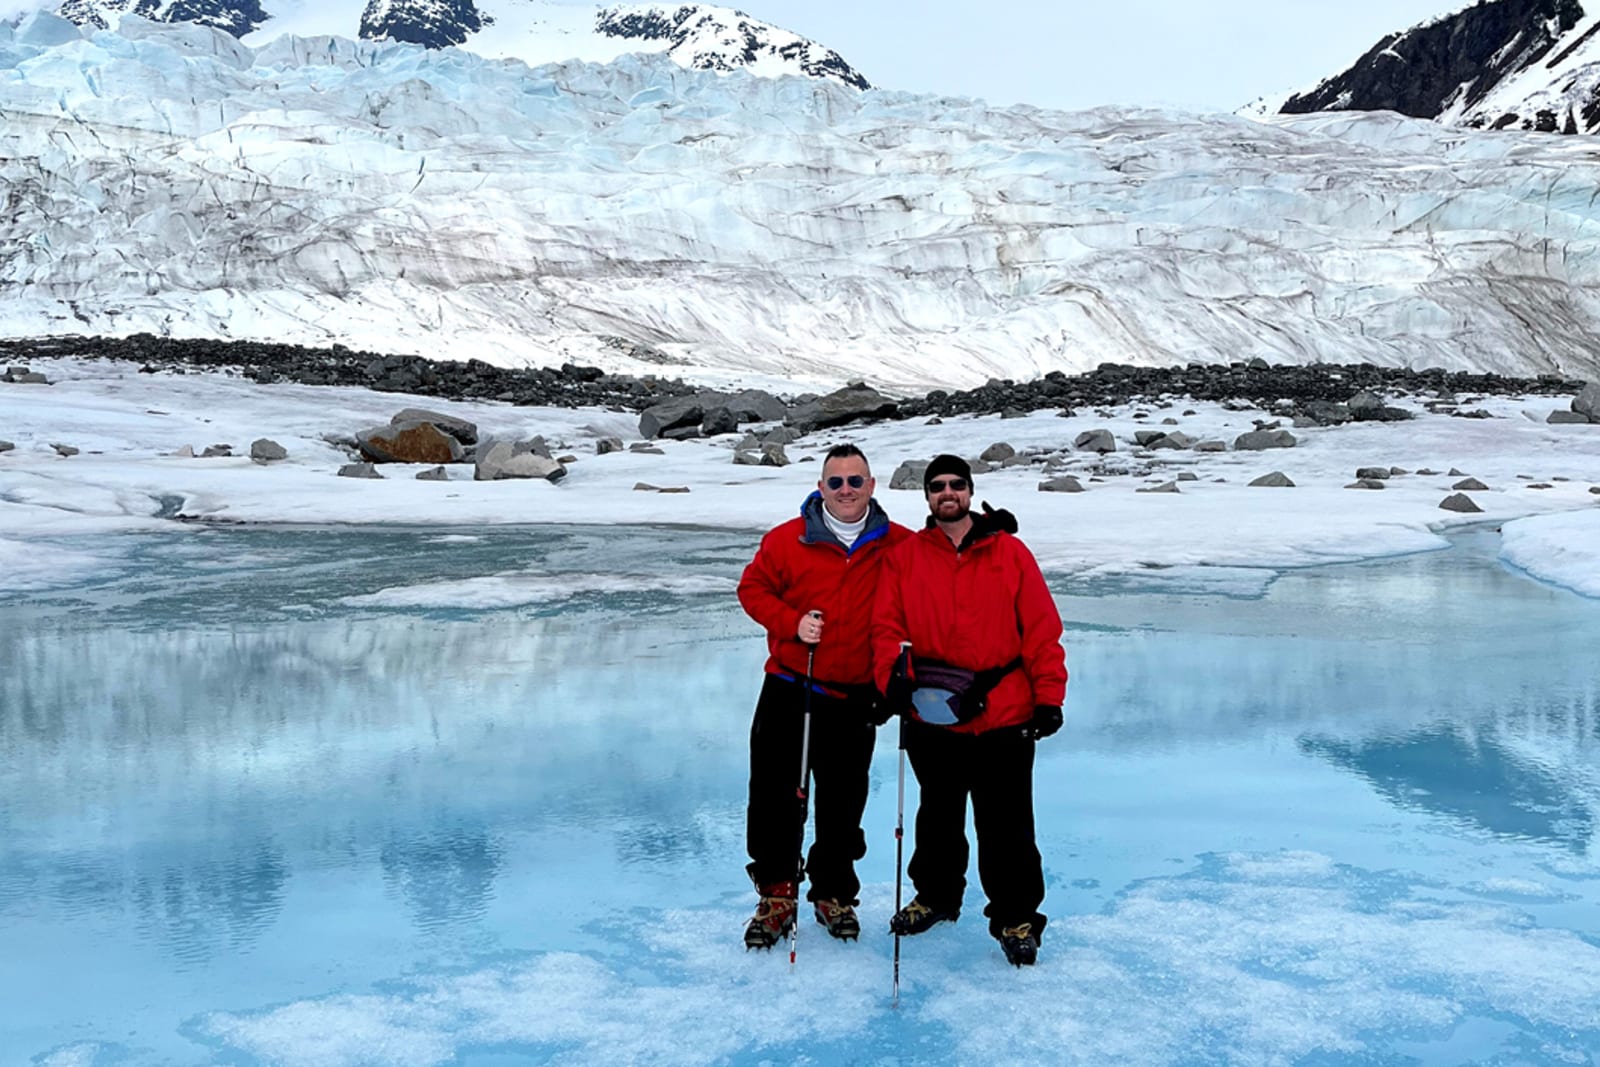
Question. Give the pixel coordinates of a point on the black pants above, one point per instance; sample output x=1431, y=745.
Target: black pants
x=841, y=755
x=995, y=769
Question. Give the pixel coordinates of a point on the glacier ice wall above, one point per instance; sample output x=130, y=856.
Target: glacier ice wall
x=318, y=190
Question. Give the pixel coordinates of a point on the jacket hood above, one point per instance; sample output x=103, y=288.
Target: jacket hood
x=817, y=531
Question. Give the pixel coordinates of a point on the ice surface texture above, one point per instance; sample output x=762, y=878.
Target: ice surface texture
x=170, y=178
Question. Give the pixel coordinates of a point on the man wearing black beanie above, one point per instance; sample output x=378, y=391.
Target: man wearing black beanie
x=983, y=679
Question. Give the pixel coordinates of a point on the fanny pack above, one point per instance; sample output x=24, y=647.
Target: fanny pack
x=941, y=694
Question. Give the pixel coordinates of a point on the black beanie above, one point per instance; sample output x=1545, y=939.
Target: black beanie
x=946, y=464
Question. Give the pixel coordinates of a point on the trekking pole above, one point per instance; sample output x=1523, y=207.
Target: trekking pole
x=899, y=838
x=801, y=795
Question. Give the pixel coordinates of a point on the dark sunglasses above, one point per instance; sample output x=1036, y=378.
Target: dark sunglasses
x=836, y=482
x=955, y=485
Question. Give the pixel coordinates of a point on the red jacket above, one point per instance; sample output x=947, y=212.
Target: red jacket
x=980, y=608
x=800, y=566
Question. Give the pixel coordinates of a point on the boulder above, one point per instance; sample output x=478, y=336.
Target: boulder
x=522, y=459
x=1379, y=473
x=1145, y=437
x=1368, y=407
x=1459, y=502
x=1259, y=440
x=462, y=430
x=1469, y=485
x=64, y=450
x=1164, y=487
x=409, y=442
x=855, y=402
x=607, y=445
x=433, y=474
x=1567, y=417
x=1095, y=441
x=646, y=487
x=998, y=452
x=266, y=450
x=780, y=435
x=909, y=475
x=1188, y=476
x=1064, y=484
x=756, y=405
x=1327, y=413
x=718, y=421
x=1366, y=483
x=214, y=451
x=1211, y=446
x=671, y=414
x=7, y=446
x=1275, y=480
x=1587, y=402
x=360, y=470
x=183, y=452
x=1175, y=439
x=644, y=448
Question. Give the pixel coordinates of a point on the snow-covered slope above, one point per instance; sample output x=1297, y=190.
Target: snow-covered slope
x=1498, y=64
x=388, y=197
x=699, y=36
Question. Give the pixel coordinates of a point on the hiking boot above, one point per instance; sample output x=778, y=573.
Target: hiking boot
x=1020, y=945
x=774, y=916
x=839, y=919
x=916, y=917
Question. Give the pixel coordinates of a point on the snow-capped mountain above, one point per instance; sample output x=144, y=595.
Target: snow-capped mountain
x=171, y=179
x=1499, y=64
x=698, y=36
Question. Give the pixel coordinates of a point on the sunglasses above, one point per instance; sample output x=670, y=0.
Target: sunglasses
x=836, y=482
x=955, y=485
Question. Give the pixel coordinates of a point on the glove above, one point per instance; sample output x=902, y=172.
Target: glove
x=1000, y=519
x=1046, y=721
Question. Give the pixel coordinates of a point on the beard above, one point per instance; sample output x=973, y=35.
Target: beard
x=951, y=511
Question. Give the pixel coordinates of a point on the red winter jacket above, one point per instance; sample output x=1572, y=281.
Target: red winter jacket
x=980, y=608
x=800, y=566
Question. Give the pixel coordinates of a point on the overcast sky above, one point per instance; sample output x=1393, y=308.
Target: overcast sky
x=1204, y=55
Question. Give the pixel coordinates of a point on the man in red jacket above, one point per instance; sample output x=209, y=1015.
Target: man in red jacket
x=811, y=586
x=969, y=599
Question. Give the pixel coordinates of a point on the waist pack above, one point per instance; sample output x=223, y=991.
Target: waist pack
x=942, y=694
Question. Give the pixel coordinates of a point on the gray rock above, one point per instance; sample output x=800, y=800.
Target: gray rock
x=1569, y=417
x=1211, y=446
x=15, y=372
x=1013, y=413
x=1188, y=476
x=607, y=445
x=419, y=441
x=433, y=474
x=214, y=451
x=980, y=466
x=646, y=487
x=909, y=475
x=1275, y=480
x=360, y=470
x=855, y=402
x=1095, y=441
x=64, y=450
x=1587, y=402
x=671, y=414
x=1164, y=487
x=773, y=455
x=644, y=449
x=1459, y=502
x=998, y=452
x=756, y=405
x=718, y=421
x=502, y=460
x=1144, y=437
x=1301, y=422
x=1258, y=440
x=1064, y=484
x=1470, y=485
x=1426, y=472
x=1328, y=413
x=1398, y=472
x=1378, y=473
x=1366, y=483
x=30, y=378
x=266, y=450
x=7, y=446
x=1454, y=473
x=780, y=435
x=462, y=430
x=681, y=433
x=1175, y=439
x=743, y=457
x=1364, y=403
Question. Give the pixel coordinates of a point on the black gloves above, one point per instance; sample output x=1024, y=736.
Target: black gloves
x=1046, y=721
x=1001, y=519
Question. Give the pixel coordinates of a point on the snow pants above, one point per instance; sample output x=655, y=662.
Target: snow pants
x=841, y=755
x=995, y=770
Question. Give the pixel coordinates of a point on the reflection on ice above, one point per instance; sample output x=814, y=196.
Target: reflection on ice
x=1477, y=780
x=1344, y=819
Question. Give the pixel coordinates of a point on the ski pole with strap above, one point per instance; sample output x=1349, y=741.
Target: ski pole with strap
x=802, y=795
